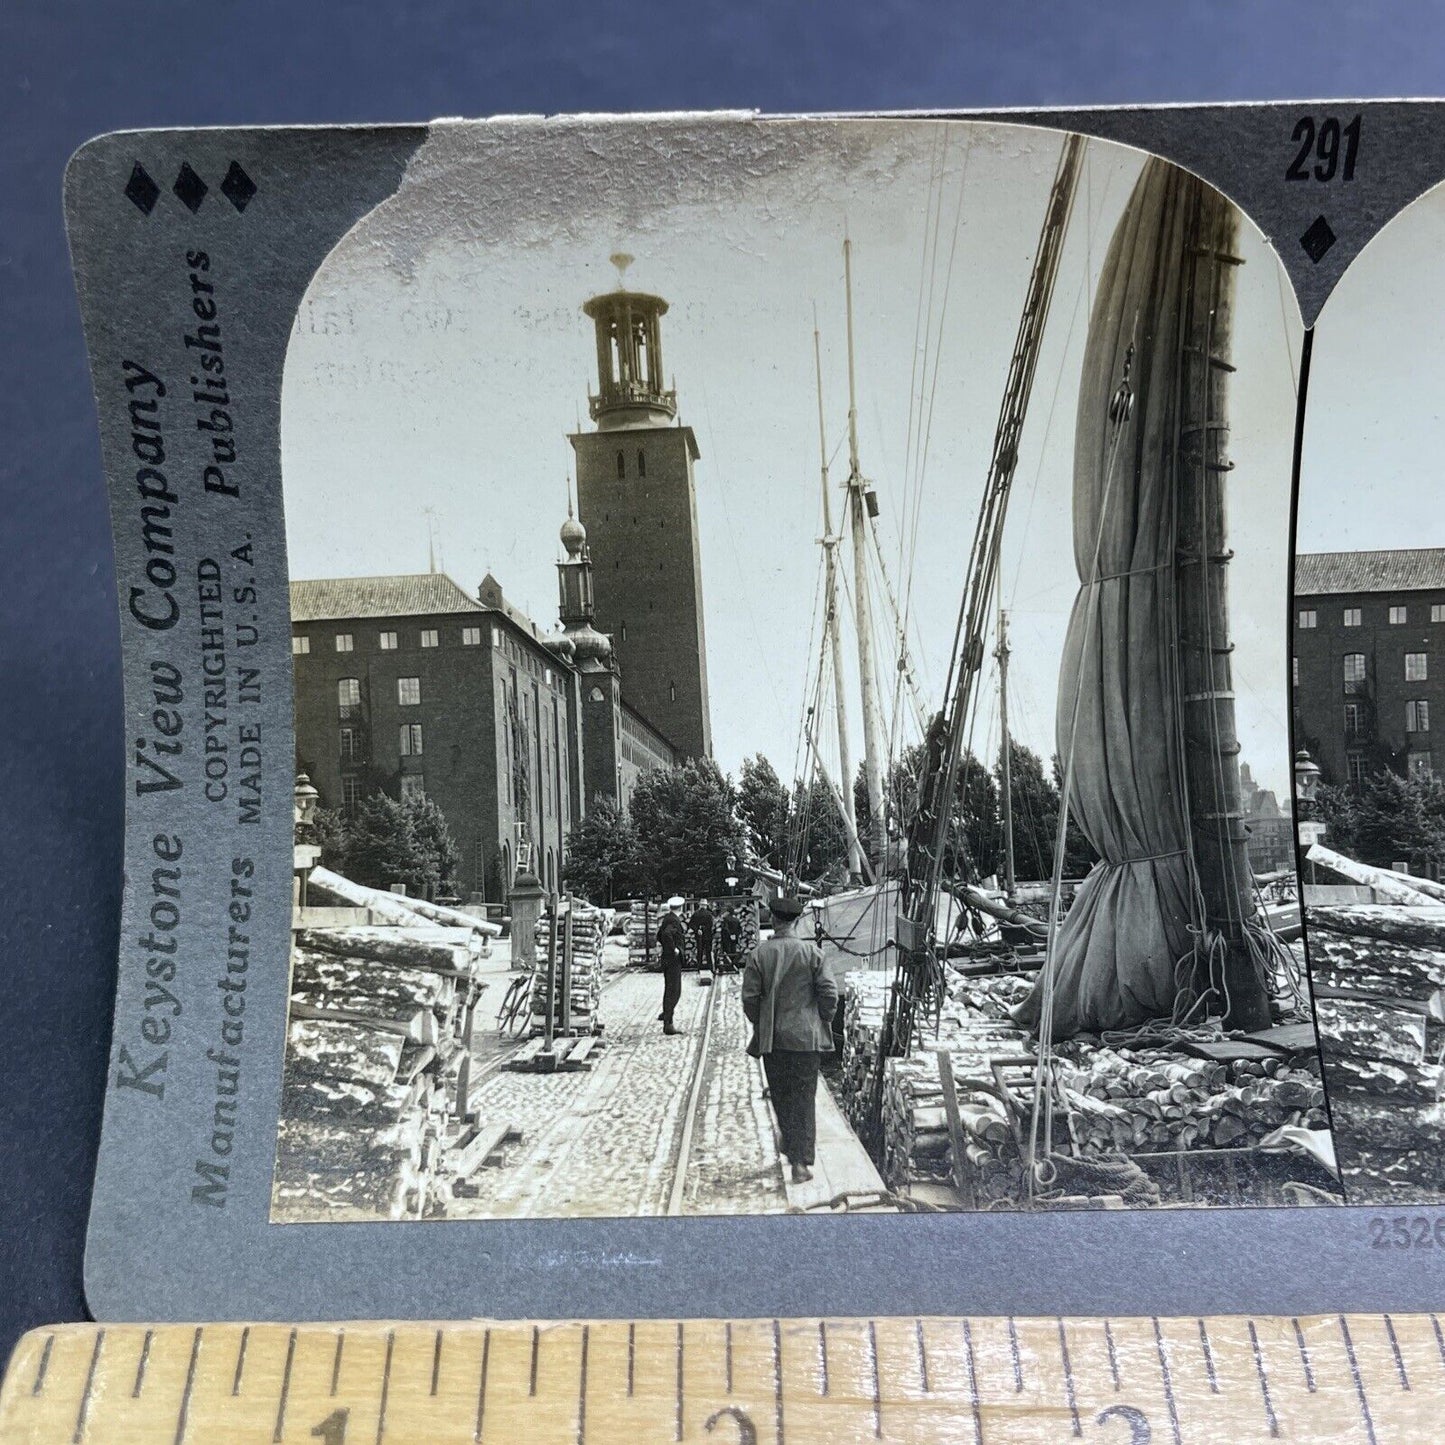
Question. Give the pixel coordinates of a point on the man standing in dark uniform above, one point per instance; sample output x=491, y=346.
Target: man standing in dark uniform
x=701, y=924
x=672, y=943
x=789, y=996
x=730, y=937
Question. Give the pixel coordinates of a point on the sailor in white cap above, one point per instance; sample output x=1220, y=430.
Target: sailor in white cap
x=672, y=941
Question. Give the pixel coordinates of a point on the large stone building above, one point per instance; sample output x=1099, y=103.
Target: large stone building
x=1269, y=829
x=408, y=684
x=637, y=498
x=1368, y=635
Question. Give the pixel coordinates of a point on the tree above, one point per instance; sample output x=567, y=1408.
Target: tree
x=330, y=833
x=390, y=842
x=765, y=810
x=822, y=840
x=1080, y=855
x=602, y=858
x=1391, y=819
x=1034, y=799
x=687, y=828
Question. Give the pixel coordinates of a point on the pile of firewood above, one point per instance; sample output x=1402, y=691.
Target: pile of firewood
x=1375, y=970
x=642, y=920
x=376, y=1058
x=582, y=989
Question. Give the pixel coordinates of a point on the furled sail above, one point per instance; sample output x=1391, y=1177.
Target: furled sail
x=1163, y=919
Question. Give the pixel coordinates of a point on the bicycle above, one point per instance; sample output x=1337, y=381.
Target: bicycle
x=514, y=1017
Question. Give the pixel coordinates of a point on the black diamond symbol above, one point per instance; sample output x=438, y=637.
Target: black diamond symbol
x=190, y=189
x=141, y=189
x=1318, y=239
x=238, y=187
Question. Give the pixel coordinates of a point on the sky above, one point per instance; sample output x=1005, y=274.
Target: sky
x=441, y=356
x=1375, y=420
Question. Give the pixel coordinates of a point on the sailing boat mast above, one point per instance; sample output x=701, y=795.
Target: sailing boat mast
x=830, y=623
x=1001, y=653
x=867, y=677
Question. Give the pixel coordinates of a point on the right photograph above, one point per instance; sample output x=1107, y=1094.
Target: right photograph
x=1368, y=655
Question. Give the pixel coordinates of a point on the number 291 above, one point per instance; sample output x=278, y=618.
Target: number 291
x=1331, y=146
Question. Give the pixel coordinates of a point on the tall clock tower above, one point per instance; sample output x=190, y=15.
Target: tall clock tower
x=637, y=499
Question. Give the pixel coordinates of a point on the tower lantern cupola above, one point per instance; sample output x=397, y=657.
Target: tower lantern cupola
x=631, y=391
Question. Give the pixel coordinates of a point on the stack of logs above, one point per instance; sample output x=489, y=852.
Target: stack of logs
x=642, y=920
x=1377, y=971
x=376, y=1055
x=586, y=938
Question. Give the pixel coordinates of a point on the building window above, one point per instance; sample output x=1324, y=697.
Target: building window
x=1419, y=764
x=471, y=637
x=343, y=642
x=408, y=691
x=1437, y=612
x=387, y=641
x=1417, y=716
x=410, y=743
x=1308, y=617
x=621, y=466
x=1398, y=616
x=641, y=462
x=1352, y=616
x=1294, y=670
x=300, y=646
x=496, y=637
x=1355, y=768
x=672, y=691
x=1417, y=669
x=429, y=637
x=350, y=794
x=348, y=697
x=595, y=695
x=350, y=745
x=1354, y=719
x=1354, y=672
x=412, y=786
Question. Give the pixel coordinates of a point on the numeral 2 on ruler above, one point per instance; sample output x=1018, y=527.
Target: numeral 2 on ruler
x=1323, y=141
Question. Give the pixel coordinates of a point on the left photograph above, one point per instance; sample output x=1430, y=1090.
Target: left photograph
x=788, y=627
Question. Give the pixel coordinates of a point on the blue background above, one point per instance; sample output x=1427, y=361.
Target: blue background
x=69, y=71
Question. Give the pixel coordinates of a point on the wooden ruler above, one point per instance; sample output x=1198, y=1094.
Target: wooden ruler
x=1368, y=1378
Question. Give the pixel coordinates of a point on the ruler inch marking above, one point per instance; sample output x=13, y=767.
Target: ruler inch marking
x=385, y=1386
x=822, y=1356
x=1395, y=1350
x=240, y=1359
x=336, y=1361
x=1113, y=1357
x=1013, y=1348
x=677, y=1421
x=1359, y=1382
x=1304, y=1356
x=482, y=1388
x=436, y=1363
x=582, y=1391
x=778, y=1378
x=975, y=1404
x=631, y=1358
x=728, y=1354
x=1208, y=1358
x=280, y=1429
x=183, y=1415
x=1270, y=1417
x=877, y=1382
x=536, y=1350
x=44, y=1366
x=1167, y=1375
x=140, y=1369
x=1070, y=1394
x=922, y=1357
x=84, y=1410
x=1439, y=1338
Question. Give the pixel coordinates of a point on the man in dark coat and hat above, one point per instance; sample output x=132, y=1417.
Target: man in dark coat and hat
x=789, y=996
x=672, y=943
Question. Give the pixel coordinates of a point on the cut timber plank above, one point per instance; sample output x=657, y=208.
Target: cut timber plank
x=467, y=1157
x=582, y=1048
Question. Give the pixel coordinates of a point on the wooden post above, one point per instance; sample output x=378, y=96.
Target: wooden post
x=955, y=1125
x=549, y=1024
x=567, y=966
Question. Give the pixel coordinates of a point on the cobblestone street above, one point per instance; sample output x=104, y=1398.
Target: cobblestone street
x=606, y=1140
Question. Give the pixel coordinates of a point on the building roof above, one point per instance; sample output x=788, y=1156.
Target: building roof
x=329, y=599
x=1410, y=569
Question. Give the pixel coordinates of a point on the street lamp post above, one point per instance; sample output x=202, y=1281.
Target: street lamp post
x=1308, y=828
x=305, y=852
